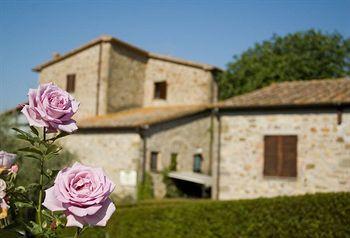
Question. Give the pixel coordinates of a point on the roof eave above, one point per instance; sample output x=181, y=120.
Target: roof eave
x=129, y=46
x=284, y=106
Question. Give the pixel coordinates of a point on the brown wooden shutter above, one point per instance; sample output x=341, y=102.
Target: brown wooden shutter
x=289, y=161
x=280, y=156
x=270, y=155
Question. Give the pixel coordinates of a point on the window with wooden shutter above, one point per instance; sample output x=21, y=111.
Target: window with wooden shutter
x=70, y=83
x=280, y=156
x=160, y=90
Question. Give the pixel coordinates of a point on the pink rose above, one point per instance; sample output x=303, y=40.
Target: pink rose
x=6, y=160
x=51, y=107
x=82, y=192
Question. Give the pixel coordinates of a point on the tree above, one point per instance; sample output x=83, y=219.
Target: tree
x=298, y=56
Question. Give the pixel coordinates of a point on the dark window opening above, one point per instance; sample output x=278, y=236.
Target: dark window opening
x=339, y=116
x=70, y=83
x=280, y=156
x=160, y=90
x=154, y=161
x=197, y=163
x=173, y=162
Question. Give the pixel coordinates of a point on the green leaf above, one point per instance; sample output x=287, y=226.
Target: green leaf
x=52, y=149
x=24, y=205
x=62, y=134
x=48, y=214
x=34, y=228
x=20, y=189
x=34, y=130
x=31, y=150
x=52, y=173
x=33, y=186
x=32, y=156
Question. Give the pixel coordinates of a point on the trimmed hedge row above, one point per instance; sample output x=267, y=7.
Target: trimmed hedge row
x=319, y=215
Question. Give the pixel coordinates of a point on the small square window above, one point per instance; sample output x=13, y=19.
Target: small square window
x=70, y=83
x=154, y=161
x=160, y=89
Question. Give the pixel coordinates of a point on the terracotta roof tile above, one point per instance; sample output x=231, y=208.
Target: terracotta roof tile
x=294, y=93
x=140, y=116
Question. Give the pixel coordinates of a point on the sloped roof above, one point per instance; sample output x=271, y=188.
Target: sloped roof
x=295, y=93
x=114, y=40
x=138, y=117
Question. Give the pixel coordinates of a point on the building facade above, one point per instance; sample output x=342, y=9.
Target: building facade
x=141, y=111
x=138, y=110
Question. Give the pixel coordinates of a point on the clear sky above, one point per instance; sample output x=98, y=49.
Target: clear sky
x=205, y=31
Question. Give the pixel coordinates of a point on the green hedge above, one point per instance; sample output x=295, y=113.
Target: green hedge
x=320, y=215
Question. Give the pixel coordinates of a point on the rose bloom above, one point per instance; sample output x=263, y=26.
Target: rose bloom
x=82, y=192
x=6, y=160
x=51, y=107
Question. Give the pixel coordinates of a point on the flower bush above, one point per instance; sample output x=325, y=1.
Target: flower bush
x=74, y=196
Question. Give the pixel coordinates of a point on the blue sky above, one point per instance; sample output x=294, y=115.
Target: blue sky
x=205, y=31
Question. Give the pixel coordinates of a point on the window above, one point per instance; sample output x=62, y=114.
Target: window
x=71, y=83
x=197, y=163
x=339, y=116
x=154, y=161
x=173, y=162
x=160, y=90
x=280, y=156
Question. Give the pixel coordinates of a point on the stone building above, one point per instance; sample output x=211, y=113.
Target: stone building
x=140, y=111
x=286, y=139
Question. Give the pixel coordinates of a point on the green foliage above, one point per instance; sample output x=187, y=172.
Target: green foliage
x=320, y=215
x=171, y=190
x=298, y=56
x=39, y=160
x=8, y=140
x=145, y=189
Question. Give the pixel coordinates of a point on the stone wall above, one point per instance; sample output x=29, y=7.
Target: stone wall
x=323, y=154
x=127, y=73
x=85, y=66
x=186, y=137
x=112, y=151
x=185, y=84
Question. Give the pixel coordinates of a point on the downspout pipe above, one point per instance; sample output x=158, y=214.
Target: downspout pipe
x=143, y=134
x=218, y=164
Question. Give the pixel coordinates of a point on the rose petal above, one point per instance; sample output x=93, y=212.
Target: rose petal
x=101, y=217
x=83, y=211
x=31, y=97
x=74, y=221
x=32, y=116
x=51, y=201
x=69, y=126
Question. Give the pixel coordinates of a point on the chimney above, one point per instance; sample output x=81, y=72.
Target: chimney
x=55, y=55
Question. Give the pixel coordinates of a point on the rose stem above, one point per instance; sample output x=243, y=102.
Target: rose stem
x=41, y=182
x=77, y=232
